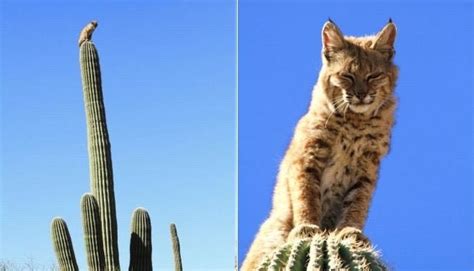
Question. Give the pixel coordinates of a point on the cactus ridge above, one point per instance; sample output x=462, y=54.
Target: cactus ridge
x=63, y=245
x=345, y=249
x=334, y=259
x=100, y=157
x=92, y=233
x=280, y=257
x=140, y=242
x=299, y=257
x=178, y=265
x=264, y=264
x=316, y=252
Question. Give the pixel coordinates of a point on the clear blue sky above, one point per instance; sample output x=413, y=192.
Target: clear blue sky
x=422, y=214
x=169, y=83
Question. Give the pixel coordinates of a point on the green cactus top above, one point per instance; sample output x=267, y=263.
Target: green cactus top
x=345, y=249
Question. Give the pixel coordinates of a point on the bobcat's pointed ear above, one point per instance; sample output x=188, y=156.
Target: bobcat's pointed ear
x=332, y=38
x=385, y=39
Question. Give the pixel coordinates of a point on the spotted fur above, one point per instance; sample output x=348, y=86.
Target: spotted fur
x=330, y=169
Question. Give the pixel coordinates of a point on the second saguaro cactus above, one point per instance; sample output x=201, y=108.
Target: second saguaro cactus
x=92, y=233
x=63, y=245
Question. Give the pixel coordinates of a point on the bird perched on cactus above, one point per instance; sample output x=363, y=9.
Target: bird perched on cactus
x=345, y=249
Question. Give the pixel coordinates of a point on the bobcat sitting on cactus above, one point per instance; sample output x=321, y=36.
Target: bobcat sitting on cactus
x=330, y=169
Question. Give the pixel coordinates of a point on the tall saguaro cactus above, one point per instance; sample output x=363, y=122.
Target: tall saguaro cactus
x=98, y=208
x=100, y=158
x=176, y=248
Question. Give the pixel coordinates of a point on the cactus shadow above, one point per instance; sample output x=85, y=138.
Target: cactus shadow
x=140, y=253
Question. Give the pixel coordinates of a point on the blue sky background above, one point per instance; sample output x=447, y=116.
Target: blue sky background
x=422, y=214
x=169, y=83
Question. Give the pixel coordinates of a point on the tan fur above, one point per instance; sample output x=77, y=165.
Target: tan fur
x=86, y=33
x=330, y=169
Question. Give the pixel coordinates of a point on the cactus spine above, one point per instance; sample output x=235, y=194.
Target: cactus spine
x=92, y=233
x=63, y=245
x=178, y=266
x=345, y=249
x=140, y=242
x=100, y=158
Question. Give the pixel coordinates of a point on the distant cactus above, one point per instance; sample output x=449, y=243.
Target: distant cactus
x=98, y=207
x=140, y=242
x=178, y=266
x=346, y=249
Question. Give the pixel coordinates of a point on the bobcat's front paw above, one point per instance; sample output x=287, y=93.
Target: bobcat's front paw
x=346, y=231
x=303, y=231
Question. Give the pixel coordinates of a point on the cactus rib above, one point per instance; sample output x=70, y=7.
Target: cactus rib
x=316, y=252
x=298, y=259
x=280, y=257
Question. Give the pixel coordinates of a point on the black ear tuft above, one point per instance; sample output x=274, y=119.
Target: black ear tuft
x=329, y=19
x=390, y=20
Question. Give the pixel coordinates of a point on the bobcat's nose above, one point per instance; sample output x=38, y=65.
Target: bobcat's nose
x=360, y=95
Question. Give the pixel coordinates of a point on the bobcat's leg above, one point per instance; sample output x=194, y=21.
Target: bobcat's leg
x=356, y=203
x=304, y=180
x=272, y=234
x=357, y=198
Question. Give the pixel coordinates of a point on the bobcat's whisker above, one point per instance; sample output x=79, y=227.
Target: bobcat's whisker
x=338, y=104
x=345, y=110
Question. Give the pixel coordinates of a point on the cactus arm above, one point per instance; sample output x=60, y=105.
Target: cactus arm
x=140, y=241
x=62, y=244
x=92, y=233
x=100, y=158
x=178, y=265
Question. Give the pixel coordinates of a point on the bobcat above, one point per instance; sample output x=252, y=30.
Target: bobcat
x=330, y=169
x=86, y=32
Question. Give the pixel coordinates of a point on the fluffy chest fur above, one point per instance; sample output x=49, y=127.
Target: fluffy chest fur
x=358, y=145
